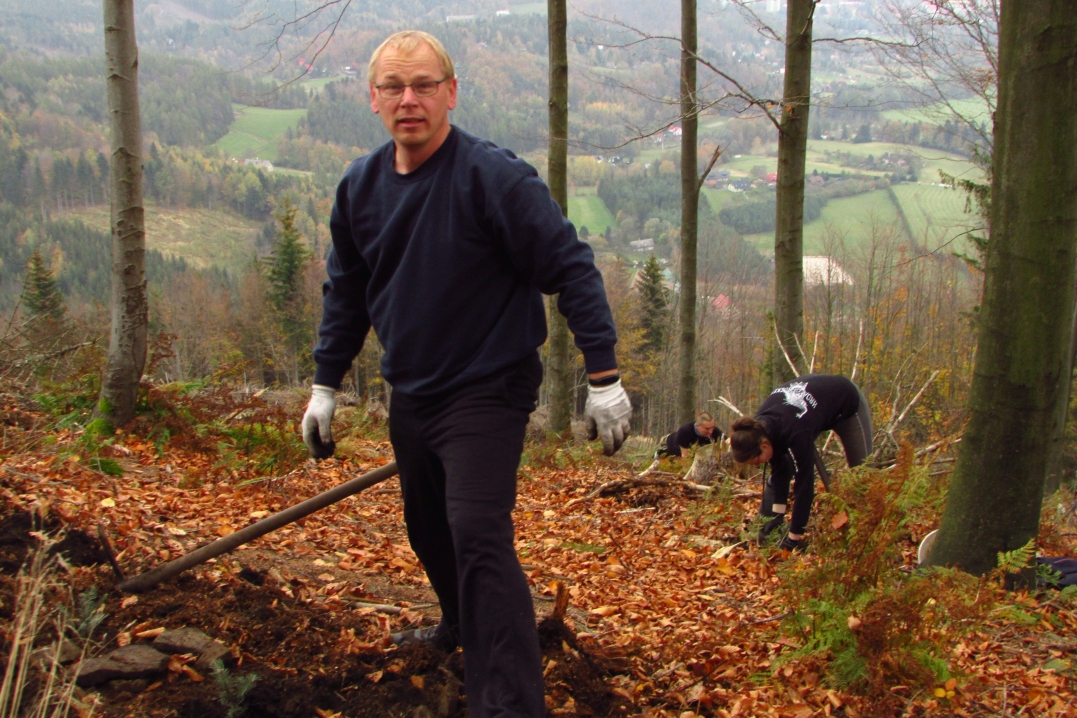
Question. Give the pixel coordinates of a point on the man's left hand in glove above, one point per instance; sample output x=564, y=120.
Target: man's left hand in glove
x=608, y=414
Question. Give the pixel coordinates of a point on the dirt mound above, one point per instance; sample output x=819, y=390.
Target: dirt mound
x=308, y=659
x=77, y=548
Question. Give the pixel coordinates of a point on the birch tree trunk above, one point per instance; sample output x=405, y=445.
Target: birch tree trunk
x=789, y=220
x=1024, y=349
x=558, y=363
x=127, y=344
x=686, y=395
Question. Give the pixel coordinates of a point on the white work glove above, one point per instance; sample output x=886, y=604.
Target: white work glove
x=608, y=413
x=317, y=434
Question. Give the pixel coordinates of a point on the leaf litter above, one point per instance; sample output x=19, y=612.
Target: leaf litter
x=670, y=611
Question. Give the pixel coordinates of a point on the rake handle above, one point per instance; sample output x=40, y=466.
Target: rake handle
x=166, y=571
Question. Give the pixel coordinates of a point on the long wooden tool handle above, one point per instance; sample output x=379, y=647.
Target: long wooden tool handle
x=166, y=571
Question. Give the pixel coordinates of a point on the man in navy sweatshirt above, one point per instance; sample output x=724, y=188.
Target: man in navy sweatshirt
x=445, y=244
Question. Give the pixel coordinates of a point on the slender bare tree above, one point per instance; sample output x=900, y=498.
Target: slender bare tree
x=558, y=360
x=130, y=315
x=789, y=218
x=1024, y=350
x=686, y=394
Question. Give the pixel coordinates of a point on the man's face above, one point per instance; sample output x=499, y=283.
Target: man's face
x=705, y=428
x=415, y=123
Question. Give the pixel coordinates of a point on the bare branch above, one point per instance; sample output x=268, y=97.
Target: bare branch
x=729, y=405
x=274, y=49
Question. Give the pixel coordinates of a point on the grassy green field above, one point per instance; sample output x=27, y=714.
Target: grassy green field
x=936, y=215
x=588, y=210
x=717, y=198
x=973, y=108
x=657, y=154
x=741, y=165
x=202, y=237
x=317, y=83
x=256, y=130
x=934, y=160
x=853, y=218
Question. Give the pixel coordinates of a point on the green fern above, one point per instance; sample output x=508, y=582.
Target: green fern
x=1016, y=561
x=1068, y=595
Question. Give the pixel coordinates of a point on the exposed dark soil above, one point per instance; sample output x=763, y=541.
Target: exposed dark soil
x=310, y=658
x=77, y=548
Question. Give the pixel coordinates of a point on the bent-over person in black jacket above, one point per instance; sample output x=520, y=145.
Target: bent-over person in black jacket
x=445, y=244
x=700, y=432
x=783, y=433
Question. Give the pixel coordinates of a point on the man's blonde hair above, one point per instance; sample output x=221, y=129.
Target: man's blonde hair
x=405, y=42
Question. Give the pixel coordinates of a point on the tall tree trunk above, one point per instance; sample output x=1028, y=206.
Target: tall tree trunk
x=127, y=345
x=1024, y=352
x=686, y=396
x=558, y=362
x=789, y=220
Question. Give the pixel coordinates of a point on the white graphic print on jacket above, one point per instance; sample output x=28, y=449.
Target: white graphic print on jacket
x=796, y=394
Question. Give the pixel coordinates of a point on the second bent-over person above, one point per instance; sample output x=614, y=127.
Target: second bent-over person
x=783, y=433
x=700, y=432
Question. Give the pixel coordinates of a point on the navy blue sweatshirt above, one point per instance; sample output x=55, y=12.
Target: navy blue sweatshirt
x=796, y=413
x=449, y=264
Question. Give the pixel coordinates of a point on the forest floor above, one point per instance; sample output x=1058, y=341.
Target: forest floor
x=671, y=611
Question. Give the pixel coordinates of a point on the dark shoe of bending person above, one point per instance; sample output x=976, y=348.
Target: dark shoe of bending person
x=793, y=545
x=440, y=636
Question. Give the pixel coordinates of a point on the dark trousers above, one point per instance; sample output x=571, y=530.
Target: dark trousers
x=458, y=455
x=855, y=434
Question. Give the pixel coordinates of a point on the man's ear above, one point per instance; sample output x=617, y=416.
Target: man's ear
x=374, y=100
x=452, y=94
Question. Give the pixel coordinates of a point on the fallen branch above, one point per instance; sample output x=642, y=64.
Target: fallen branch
x=894, y=424
x=619, y=486
x=928, y=449
x=936, y=445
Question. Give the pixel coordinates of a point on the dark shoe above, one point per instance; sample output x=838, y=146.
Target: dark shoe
x=441, y=636
x=795, y=545
x=769, y=527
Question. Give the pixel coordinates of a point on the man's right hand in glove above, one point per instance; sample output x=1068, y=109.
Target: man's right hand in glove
x=608, y=414
x=317, y=434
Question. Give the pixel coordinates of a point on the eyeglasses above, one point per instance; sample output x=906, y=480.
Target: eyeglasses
x=422, y=88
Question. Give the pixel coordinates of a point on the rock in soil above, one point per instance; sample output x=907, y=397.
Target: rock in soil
x=128, y=662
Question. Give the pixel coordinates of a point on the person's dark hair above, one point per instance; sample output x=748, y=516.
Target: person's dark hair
x=745, y=438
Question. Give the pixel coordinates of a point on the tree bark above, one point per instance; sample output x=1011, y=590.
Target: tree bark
x=686, y=395
x=558, y=361
x=789, y=220
x=1024, y=346
x=130, y=316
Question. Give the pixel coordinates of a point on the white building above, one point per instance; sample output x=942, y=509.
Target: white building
x=824, y=270
x=263, y=164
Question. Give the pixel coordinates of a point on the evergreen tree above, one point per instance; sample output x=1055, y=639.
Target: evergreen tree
x=41, y=295
x=288, y=259
x=285, y=268
x=654, y=304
